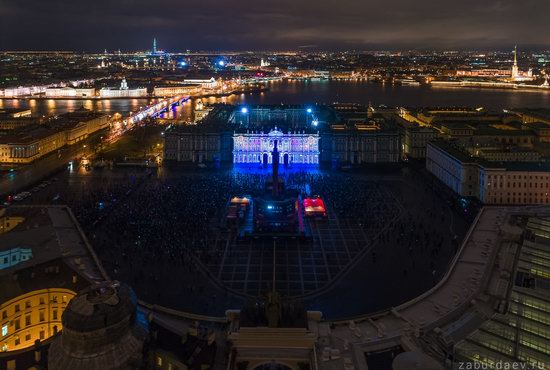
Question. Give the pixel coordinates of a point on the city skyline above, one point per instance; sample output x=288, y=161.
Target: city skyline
x=392, y=25
x=274, y=185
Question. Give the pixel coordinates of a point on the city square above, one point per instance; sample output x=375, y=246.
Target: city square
x=385, y=223
x=274, y=185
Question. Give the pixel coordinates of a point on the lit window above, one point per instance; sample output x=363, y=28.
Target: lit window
x=4, y=330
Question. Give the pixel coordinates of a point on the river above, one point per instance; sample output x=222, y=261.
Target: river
x=311, y=92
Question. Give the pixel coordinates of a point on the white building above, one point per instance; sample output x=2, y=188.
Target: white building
x=161, y=91
x=70, y=92
x=17, y=91
x=294, y=148
x=204, y=83
x=123, y=92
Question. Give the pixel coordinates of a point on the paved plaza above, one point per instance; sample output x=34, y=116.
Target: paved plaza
x=161, y=233
x=302, y=266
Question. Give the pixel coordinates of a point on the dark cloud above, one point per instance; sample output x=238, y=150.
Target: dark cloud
x=273, y=24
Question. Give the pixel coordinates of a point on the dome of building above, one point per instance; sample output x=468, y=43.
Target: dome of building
x=99, y=330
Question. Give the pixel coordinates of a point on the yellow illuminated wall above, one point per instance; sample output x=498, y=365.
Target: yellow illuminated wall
x=32, y=316
x=9, y=222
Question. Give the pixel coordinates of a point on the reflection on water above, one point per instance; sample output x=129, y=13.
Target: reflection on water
x=310, y=92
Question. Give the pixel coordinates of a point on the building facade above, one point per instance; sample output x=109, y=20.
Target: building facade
x=294, y=148
x=490, y=182
x=360, y=144
x=14, y=256
x=32, y=316
x=70, y=92
x=162, y=91
x=122, y=92
x=415, y=137
x=209, y=83
x=188, y=144
x=35, y=141
x=304, y=137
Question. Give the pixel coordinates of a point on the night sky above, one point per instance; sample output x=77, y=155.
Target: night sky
x=93, y=25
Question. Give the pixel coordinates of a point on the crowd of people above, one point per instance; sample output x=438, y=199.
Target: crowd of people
x=176, y=220
x=148, y=229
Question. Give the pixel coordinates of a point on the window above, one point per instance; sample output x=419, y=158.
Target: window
x=17, y=309
x=4, y=315
x=55, y=314
x=5, y=330
x=42, y=300
x=28, y=337
x=42, y=334
x=17, y=324
x=41, y=316
x=27, y=304
x=17, y=340
x=27, y=320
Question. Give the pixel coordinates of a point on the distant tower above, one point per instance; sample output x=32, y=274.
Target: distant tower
x=154, y=46
x=515, y=69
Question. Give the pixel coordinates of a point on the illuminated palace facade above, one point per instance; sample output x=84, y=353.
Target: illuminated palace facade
x=305, y=135
x=294, y=148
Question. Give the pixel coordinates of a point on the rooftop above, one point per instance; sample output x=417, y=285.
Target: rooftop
x=55, y=240
x=464, y=157
x=479, y=278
